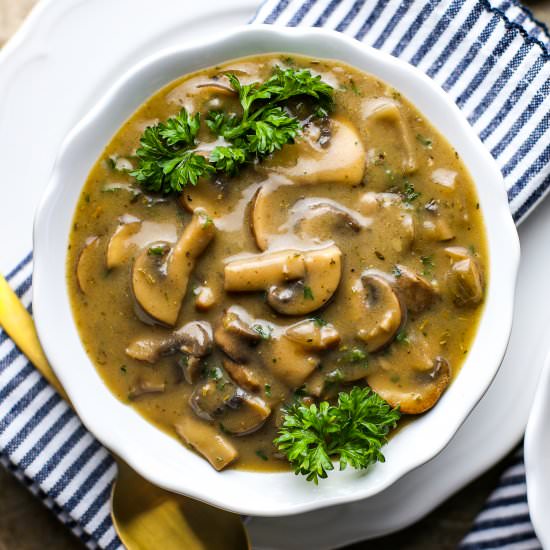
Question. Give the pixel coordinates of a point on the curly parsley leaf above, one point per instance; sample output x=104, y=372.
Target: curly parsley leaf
x=167, y=156
x=353, y=431
x=166, y=160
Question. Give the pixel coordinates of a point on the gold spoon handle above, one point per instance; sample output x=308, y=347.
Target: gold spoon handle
x=18, y=323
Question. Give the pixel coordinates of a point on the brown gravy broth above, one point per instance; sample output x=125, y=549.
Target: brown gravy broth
x=377, y=228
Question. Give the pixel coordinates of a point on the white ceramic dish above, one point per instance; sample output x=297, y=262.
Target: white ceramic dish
x=478, y=444
x=537, y=458
x=162, y=459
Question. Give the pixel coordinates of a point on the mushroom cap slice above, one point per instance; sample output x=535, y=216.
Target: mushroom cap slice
x=87, y=265
x=341, y=161
x=120, y=246
x=380, y=314
x=419, y=393
x=415, y=291
x=261, y=210
x=194, y=338
x=290, y=362
x=243, y=375
x=205, y=298
x=210, y=399
x=206, y=439
x=311, y=335
x=249, y=416
x=235, y=337
x=465, y=283
x=321, y=218
x=159, y=282
x=323, y=270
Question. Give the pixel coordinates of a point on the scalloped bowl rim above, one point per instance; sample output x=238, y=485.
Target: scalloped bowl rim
x=152, y=453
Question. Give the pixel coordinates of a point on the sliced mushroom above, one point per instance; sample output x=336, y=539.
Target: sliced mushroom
x=248, y=417
x=191, y=368
x=321, y=218
x=210, y=399
x=235, y=337
x=465, y=278
x=145, y=387
x=313, y=217
x=314, y=277
x=342, y=160
x=379, y=314
x=415, y=291
x=159, y=281
x=120, y=246
x=238, y=412
x=204, y=437
x=415, y=393
x=243, y=375
x=291, y=362
x=194, y=338
x=323, y=270
x=312, y=335
x=205, y=298
x=386, y=110
x=261, y=217
x=265, y=270
x=86, y=266
x=437, y=229
x=445, y=179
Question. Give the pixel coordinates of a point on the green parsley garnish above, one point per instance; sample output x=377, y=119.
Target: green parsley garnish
x=353, y=431
x=428, y=263
x=261, y=454
x=354, y=355
x=168, y=159
x=319, y=321
x=308, y=293
x=267, y=390
x=426, y=142
x=409, y=192
x=156, y=250
x=402, y=337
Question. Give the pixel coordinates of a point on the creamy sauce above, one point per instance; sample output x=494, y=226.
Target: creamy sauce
x=376, y=224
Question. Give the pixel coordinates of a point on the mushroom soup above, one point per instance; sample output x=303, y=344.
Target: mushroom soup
x=308, y=233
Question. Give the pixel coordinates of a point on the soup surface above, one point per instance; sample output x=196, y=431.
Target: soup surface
x=348, y=251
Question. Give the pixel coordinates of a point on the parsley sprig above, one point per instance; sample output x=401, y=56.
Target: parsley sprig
x=168, y=159
x=353, y=431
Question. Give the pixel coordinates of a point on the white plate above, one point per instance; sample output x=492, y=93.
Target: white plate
x=54, y=70
x=537, y=458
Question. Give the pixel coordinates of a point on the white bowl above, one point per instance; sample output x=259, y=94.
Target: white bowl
x=162, y=459
x=537, y=451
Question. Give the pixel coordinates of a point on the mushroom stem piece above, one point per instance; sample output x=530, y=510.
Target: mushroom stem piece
x=160, y=276
x=206, y=439
x=297, y=282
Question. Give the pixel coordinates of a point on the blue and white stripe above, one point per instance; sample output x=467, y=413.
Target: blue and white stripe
x=45, y=445
x=492, y=57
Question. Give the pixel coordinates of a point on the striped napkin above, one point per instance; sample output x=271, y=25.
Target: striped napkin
x=493, y=59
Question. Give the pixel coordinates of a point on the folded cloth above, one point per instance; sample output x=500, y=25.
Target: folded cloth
x=492, y=58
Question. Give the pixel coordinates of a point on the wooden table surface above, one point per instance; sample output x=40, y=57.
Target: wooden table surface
x=25, y=524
